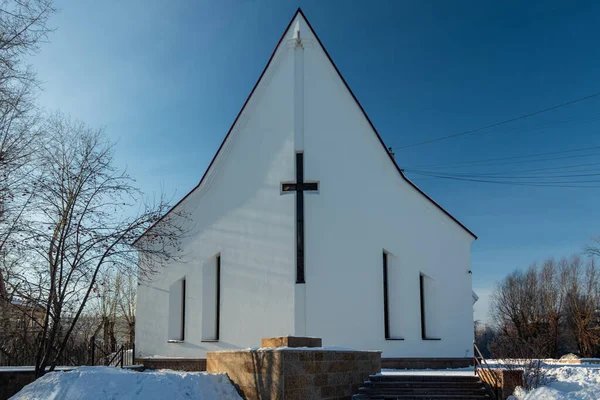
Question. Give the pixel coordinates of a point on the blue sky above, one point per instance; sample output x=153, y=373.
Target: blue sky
x=167, y=79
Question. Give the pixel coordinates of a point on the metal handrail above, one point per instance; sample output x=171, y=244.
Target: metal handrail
x=485, y=372
x=114, y=357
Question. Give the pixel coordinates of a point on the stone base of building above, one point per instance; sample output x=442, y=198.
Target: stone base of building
x=295, y=374
x=178, y=364
x=425, y=363
x=199, y=364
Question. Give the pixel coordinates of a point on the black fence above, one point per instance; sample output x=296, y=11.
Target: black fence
x=123, y=356
x=95, y=352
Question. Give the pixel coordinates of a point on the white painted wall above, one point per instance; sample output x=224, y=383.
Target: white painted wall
x=362, y=208
x=239, y=213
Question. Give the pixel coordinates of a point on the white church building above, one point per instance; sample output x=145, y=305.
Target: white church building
x=304, y=225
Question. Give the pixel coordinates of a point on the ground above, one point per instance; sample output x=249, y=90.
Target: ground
x=572, y=382
x=104, y=383
x=565, y=382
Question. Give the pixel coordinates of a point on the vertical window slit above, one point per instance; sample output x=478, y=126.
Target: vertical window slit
x=218, y=302
x=386, y=316
x=182, y=335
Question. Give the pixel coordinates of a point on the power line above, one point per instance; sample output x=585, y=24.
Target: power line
x=471, y=131
x=507, y=158
x=545, y=169
x=525, y=170
x=486, y=164
x=555, y=184
x=503, y=176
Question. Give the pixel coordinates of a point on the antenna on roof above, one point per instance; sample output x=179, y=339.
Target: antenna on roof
x=392, y=152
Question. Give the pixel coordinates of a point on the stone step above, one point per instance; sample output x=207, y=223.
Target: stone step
x=404, y=384
x=422, y=387
x=418, y=397
x=424, y=378
x=423, y=390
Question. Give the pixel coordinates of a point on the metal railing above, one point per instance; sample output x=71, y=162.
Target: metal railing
x=92, y=352
x=123, y=356
x=488, y=376
x=117, y=358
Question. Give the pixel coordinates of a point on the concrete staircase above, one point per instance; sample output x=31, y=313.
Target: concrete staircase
x=429, y=387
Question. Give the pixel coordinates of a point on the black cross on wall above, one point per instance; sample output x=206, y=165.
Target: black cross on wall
x=299, y=187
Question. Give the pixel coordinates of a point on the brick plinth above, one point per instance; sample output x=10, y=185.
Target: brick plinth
x=291, y=341
x=509, y=380
x=291, y=374
x=505, y=381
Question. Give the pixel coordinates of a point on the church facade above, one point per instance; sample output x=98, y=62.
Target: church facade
x=304, y=225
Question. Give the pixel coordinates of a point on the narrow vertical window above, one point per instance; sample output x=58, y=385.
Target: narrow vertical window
x=422, y=301
x=386, y=316
x=182, y=334
x=392, y=301
x=218, y=305
x=430, y=312
x=211, y=299
x=176, y=331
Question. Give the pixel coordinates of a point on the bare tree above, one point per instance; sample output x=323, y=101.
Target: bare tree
x=583, y=304
x=113, y=300
x=23, y=26
x=552, y=294
x=85, y=226
x=107, y=295
x=127, y=303
x=515, y=353
x=484, y=335
x=530, y=305
x=593, y=249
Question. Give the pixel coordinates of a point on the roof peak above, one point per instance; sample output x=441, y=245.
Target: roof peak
x=282, y=38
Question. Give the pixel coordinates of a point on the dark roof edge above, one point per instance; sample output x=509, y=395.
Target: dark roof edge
x=299, y=11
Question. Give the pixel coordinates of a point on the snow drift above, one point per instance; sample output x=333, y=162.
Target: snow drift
x=576, y=382
x=103, y=383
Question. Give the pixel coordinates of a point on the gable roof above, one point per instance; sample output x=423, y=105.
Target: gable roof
x=300, y=12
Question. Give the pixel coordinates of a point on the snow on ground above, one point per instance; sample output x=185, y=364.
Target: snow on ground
x=566, y=382
x=104, y=383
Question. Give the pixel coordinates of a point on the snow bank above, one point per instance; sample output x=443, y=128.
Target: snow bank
x=573, y=382
x=103, y=383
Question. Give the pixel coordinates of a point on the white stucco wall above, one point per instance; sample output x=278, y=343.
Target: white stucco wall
x=363, y=208
x=238, y=213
